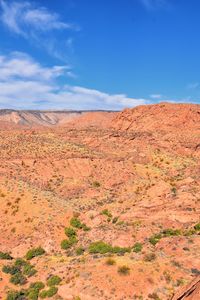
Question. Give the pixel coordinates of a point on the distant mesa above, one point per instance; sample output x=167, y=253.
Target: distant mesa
x=162, y=116
x=34, y=118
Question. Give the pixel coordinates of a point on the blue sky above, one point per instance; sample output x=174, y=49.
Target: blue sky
x=86, y=54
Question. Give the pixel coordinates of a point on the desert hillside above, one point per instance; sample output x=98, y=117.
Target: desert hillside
x=109, y=203
x=152, y=117
x=34, y=118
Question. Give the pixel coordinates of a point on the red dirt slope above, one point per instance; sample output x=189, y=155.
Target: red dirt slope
x=165, y=116
x=94, y=119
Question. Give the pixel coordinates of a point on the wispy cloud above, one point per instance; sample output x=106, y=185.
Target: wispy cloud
x=156, y=96
x=19, y=65
x=154, y=4
x=24, y=83
x=23, y=17
x=193, y=85
x=35, y=24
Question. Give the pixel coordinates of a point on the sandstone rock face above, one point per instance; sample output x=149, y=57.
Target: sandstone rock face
x=191, y=292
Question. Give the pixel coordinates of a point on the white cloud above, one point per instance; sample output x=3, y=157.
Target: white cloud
x=156, y=96
x=193, y=86
x=19, y=65
x=23, y=16
x=42, y=20
x=24, y=83
x=37, y=25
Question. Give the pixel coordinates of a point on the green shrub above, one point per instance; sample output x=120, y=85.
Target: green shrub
x=155, y=239
x=120, y=250
x=80, y=251
x=171, y=232
x=197, y=227
x=18, y=279
x=73, y=240
x=43, y=294
x=5, y=255
x=137, y=247
x=15, y=295
x=38, y=285
x=65, y=244
x=20, y=266
x=124, y=270
x=49, y=293
x=32, y=294
x=29, y=270
x=54, y=280
x=12, y=270
x=33, y=291
x=85, y=227
x=166, y=233
x=75, y=222
x=34, y=252
x=100, y=247
x=107, y=213
x=70, y=232
x=20, y=262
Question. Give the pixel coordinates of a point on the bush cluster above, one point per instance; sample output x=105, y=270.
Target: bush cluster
x=72, y=234
x=72, y=239
x=103, y=248
x=18, y=279
x=155, y=239
x=32, y=293
x=76, y=223
x=173, y=232
x=19, y=271
x=53, y=280
x=34, y=252
x=66, y=244
x=49, y=293
x=36, y=290
x=5, y=255
x=165, y=233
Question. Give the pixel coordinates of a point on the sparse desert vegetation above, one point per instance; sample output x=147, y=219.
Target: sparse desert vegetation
x=101, y=212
